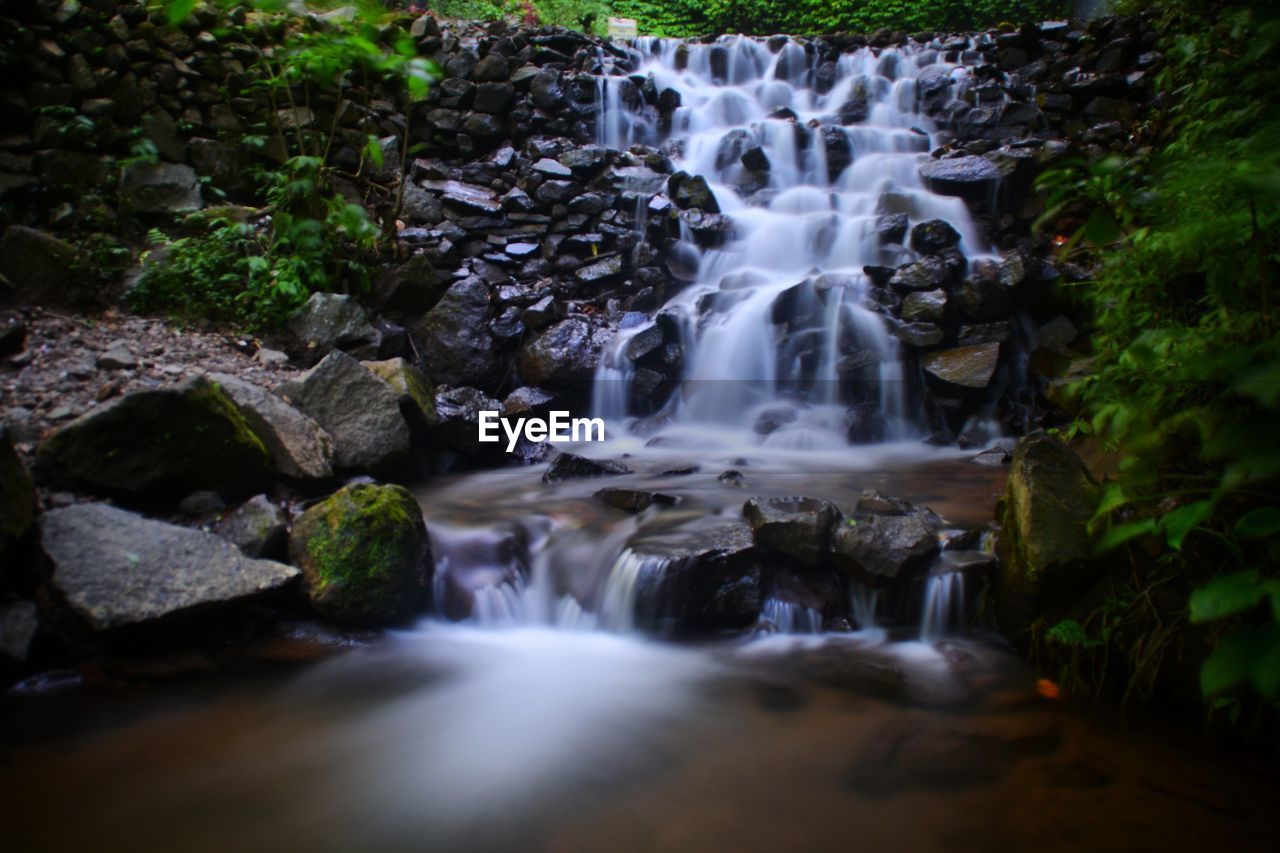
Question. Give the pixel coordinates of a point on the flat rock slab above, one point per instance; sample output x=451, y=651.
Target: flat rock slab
x=116, y=568
x=965, y=368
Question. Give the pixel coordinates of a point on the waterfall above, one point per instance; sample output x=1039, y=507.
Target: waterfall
x=944, y=606
x=819, y=177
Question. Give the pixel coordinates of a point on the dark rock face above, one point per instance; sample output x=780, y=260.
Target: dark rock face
x=455, y=338
x=1046, y=553
x=156, y=188
x=360, y=411
x=39, y=266
x=330, y=321
x=169, y=441
x=364, y=555
x=964, y=368
x=564, y=355
x=931, y=237
x=115, y=568
x=797, y=528
x=974, y=179
x=18, y=500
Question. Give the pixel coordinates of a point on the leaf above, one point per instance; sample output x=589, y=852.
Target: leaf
x=179, y=10
x=1226, y=595
x=1181, y=521
x=1249, y=655
x=1259, y=523
x=1122, y=533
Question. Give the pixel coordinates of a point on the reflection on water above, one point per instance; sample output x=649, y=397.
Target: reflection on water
x=449, y=738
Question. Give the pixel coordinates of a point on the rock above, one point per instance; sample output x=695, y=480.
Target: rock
x=602, y=271
x=300, y=449
x=115, y=568
x=458, y=413
x=963, y=368
x=147, y=188
x=929, y=238
x=839, y=151
x=455, y=339
x=330, y=321
x=40, y=267
x=984, y=333
x=755, y=159
x=19, y=622
x=1046, y=551
x=690, y=192
x=544, y=89
x=698, y=580
x=117, y=357
x=891, y=228
x=919, y=335
x=924, y=306
x=202, y=503
x=468, y=197
x=163, y=441
x=417, y=395
x=359, y=410
x=883, y=546
x=564, y=355
x=798, y=528
x=493, y=98
x=492, y=68
x=983, y=299
x=972, y=178
x=483, y=126
x=570, y=466
x=928, y=273
x=633, y=500
x=257, y=527
x=364, y=555
x=18, y=500
x=412, y=288
x=878, y=503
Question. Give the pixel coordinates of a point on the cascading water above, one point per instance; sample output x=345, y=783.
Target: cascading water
x=810, y=169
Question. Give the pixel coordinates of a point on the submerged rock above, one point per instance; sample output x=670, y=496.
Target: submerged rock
x=569, y=466
x=364, y=555
x=172, y=441
x=633, y=500
x=116, y=568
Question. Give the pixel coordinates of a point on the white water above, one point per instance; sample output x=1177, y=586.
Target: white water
x=808, y=221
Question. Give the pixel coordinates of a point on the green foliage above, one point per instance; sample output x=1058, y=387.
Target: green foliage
x=257, y=267
x=1187, y=367
x=803, y=17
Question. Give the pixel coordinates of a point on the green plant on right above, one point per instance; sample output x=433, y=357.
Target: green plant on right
x=1186, y=379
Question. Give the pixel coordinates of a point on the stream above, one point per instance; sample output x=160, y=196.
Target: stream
x=542, y=705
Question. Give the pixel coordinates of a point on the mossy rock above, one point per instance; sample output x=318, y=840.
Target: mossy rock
x=364, y=555
x=18, y=501
x=1047, y=559
x=417, y=394
x=162, y=442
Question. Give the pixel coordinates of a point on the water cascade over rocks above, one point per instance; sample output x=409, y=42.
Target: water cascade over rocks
x=800, y=179
x=811, y=257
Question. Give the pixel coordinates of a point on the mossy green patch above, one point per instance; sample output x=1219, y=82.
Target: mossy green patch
x=364, y=554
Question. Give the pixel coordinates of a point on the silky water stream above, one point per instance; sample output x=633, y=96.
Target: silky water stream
x=540, y=706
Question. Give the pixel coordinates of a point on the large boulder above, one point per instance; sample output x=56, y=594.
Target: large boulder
x=565, y=354
x=364, y=555
x=155, y=188
x=115, y=568
x=1046, y=551
x=417, y=394
x=165, y=441
x=18, y=500
x=359, y=410
x=974, y=179
x=330, y=321
x=299, y=447
x=455, y=337
x=881, y=547
x=797, y=528
x=38, y=266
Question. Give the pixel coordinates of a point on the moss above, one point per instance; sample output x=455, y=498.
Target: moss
x=363, y=553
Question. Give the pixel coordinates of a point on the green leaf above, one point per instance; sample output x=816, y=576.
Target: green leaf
x=1259, y=523
x=1122, y=533
x=1181, y=521
x=1249, y=655
x=1226, y=595
x=179, y=10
